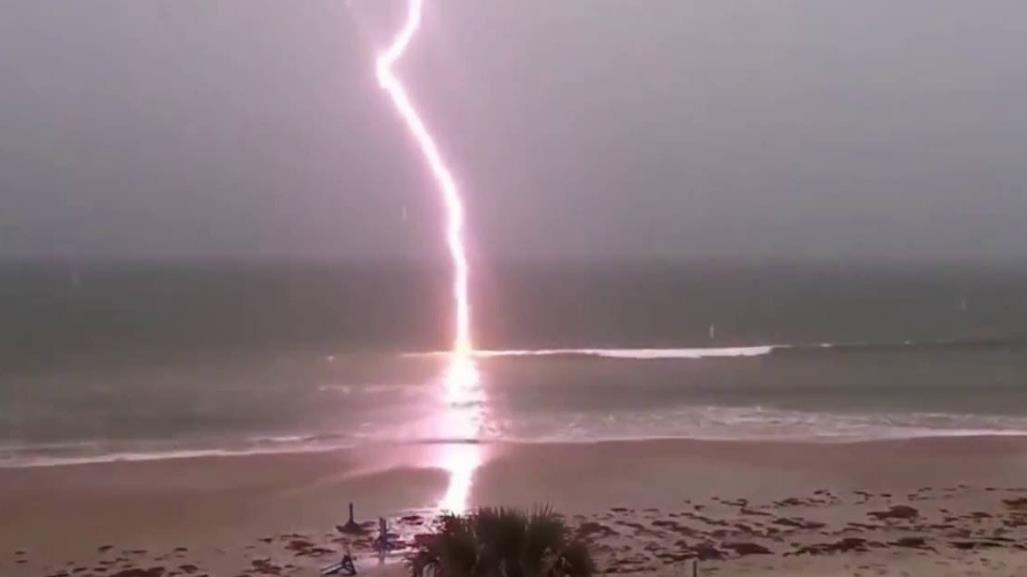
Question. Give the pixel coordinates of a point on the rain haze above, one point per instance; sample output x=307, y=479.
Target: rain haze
x=586, y=129
x=737, y=278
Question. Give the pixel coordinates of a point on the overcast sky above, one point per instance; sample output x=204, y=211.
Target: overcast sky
x=692, y=128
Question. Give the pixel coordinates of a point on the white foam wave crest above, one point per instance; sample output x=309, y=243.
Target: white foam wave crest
x=695, y=423
x=750, y=424
x=365, y=389
x=639, y=354
x=94, y=452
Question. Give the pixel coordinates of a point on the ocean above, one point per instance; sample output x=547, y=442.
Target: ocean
x=135, y=360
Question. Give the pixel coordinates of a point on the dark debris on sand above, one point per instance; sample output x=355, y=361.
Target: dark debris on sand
x=719, y=535
x=896, y=512
x=626, y=540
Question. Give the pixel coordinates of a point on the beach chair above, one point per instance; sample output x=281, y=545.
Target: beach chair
x=344, y=567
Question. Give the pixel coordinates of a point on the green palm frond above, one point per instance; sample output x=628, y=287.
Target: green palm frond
x=500, y=542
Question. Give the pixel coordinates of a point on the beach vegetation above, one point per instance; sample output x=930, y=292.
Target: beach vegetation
x=501, y=542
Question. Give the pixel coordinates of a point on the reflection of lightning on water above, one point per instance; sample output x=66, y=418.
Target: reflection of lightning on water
x=462, y=391
x=461, y=425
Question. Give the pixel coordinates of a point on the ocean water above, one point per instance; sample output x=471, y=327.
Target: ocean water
x=144, y=360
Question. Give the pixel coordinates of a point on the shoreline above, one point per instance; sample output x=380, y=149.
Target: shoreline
x=214, y=453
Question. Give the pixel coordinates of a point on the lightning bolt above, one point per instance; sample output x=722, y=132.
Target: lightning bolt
x=443, y=177
x=461, y=419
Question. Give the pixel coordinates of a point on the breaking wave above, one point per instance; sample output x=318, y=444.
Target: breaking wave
x=649, y=353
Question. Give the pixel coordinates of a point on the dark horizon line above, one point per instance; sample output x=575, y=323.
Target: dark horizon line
x=228, y=259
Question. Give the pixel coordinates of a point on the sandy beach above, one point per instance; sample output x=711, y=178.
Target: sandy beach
x=941, y=506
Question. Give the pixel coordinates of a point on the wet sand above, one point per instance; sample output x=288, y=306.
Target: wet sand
x=943, y=506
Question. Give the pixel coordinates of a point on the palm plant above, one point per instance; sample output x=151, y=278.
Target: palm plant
x=502, y=543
